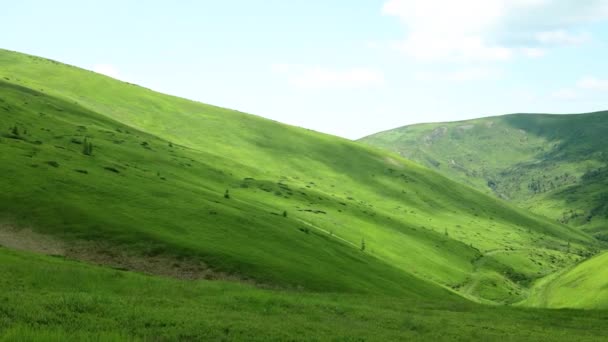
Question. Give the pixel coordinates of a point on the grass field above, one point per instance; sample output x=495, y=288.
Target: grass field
x=330, y=232
x=582, y=286
x=554, y=165
x=52, y=299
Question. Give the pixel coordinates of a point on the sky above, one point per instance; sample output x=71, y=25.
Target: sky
x=345, y=67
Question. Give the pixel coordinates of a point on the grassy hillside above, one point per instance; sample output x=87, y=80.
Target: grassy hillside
x=52, y=299
x=582, y=286
x=555, y=165
x=251, y=198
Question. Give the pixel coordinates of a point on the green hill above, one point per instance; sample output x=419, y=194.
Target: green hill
x=110, y=173
x=582, y=286
x=554, y=165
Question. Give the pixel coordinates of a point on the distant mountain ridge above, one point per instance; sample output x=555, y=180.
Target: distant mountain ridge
x=554, y=165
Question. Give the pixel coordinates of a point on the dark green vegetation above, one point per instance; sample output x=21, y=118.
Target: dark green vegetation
x=554, y=165
x=340, y=234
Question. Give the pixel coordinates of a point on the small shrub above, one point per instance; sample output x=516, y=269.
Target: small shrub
x=227, y=194
x=284, y=213
x=52, y=163
x=111, y=169
x=87, y=147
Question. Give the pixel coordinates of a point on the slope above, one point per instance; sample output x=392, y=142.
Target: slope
x=583, y=286
x=252, y=198
x=554, y=165
x=51, y=299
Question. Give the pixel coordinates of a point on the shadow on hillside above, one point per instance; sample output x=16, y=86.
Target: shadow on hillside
x=575, y=137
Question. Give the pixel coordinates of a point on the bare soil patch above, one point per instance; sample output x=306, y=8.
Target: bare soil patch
x=103, y=254
x=28, y=240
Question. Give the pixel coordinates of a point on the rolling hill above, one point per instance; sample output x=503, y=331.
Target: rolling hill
x=554, y=165
x=98, y=171
x=582, y=286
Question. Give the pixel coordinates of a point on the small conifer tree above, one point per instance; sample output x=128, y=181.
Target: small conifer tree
x=227, y=194
x=87, y=147
x=362, y=245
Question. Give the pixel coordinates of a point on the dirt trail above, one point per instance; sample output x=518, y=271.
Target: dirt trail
x=328, y=233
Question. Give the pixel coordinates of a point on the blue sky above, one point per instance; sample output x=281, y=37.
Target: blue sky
x=348, y=68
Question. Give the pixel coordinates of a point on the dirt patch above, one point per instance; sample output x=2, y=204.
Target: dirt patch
x=163, y=265
x=466, y=127
x=435, y=134
x=393, y=162
x=28, y=240
x=103, y=254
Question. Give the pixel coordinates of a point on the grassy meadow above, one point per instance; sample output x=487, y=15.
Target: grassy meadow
x=129, y=214
x=53, y=299
x=582, y=286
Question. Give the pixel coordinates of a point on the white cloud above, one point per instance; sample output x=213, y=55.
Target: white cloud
x=592, y=83
x=467, y=74
x=430, y=47
x=533, y=52
x=585, y=88
x=490, y=30
x=561, y=37
x=107, y=69
x=323, y=78
x=566, y=94
x=281, y=68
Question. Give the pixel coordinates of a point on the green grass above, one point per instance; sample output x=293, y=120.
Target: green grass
x=554, y=165
x=51, y=299
x=583, y=286
x=176, y=158
x=155, y=184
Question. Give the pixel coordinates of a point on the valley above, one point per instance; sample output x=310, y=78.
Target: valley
x=130, y=214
